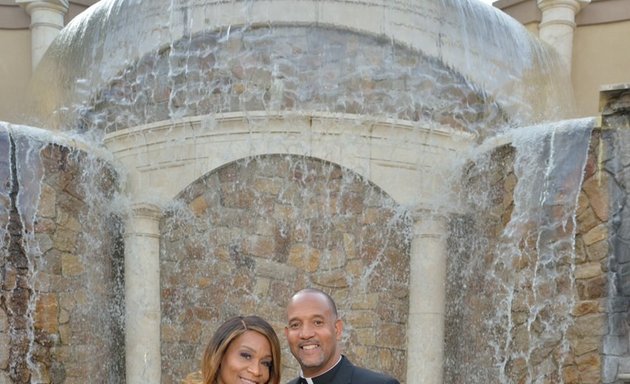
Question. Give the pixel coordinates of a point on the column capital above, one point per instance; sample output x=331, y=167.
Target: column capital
x=53, y=5
x=575, y=5
x=144, y=220
x=428, y=222
x=557, y=26
x=424, y=212
x=47, y=20
x=146, y=210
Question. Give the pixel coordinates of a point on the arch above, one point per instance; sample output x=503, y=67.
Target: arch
x=243, y=237
x=412, y=163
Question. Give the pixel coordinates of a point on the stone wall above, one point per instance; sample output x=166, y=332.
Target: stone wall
x=591, y=309
x=616, y=136
x=469, y=356
x=293, y=69
x=60, y=259
x=581, y=291
x=244, y=237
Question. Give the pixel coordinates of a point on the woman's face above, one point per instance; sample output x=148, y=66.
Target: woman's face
x=247, y=360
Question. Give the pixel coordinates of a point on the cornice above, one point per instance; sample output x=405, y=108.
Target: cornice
x=575, y=5
x=54, y=5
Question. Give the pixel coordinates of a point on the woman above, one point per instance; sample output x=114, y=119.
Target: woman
x=242, y=348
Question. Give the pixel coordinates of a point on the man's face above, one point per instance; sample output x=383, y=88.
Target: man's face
x=312, y=333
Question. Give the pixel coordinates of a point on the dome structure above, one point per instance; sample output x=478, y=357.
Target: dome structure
x=117, y=49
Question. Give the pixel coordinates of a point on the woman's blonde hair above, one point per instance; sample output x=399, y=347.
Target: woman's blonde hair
x=223, y=337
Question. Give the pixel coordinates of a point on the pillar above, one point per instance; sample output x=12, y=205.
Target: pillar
x=142, y=295
x=558, y=25
x=47, y=18
x=427, y=293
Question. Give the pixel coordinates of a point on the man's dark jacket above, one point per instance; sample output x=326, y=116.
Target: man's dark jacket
x=347, y=373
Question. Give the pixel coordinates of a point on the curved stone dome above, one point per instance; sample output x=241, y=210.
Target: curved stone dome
x=289, y=69
x=452, y=62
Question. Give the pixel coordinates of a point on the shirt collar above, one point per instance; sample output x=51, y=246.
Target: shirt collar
x=316, y=379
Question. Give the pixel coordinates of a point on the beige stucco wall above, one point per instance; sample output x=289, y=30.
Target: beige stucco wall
x=15, y=71
x=15, y=55
x=525, y=11
x=601, y=56
x=600, y=48
x=532, y=28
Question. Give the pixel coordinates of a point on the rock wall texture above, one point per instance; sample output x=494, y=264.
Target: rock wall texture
x=243, y=238
x=587, y=288
x=60, y=262
x=294, y=69
x=616, y=160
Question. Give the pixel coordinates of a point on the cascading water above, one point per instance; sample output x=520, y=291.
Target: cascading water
x=272, y=137
x=515, y=275
x=60, y=266
x=190, y=33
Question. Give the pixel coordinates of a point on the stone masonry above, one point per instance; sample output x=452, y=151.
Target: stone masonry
x=597, y=334
x=243, y=238
x=60, y=262
x=616, y=136
x=292, y=69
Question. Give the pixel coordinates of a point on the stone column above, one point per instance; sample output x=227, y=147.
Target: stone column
x=427, y=292
x=558, y=24
x=142, y=295
x=46, y=22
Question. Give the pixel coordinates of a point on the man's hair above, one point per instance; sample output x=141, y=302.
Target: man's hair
x=328, y=298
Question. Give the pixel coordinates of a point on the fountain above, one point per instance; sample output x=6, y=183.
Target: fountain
x=201, y=159
x=61, y=257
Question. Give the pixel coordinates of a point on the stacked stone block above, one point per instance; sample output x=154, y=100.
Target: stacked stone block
x=243, y=238
x=60, y=319
x=615, y=104
x=290, y=69
x=595, y=342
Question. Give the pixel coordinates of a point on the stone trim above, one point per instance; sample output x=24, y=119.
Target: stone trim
x=597, y=12
x=324, y=129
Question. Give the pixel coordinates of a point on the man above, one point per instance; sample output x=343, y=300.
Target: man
x=313, y=332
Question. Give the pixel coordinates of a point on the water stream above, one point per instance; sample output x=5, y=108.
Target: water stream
x=514, y=274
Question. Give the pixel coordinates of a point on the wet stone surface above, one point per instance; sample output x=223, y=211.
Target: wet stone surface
x=593, y=345
x=294, y=69
x=59, y=317
x=243, y=238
